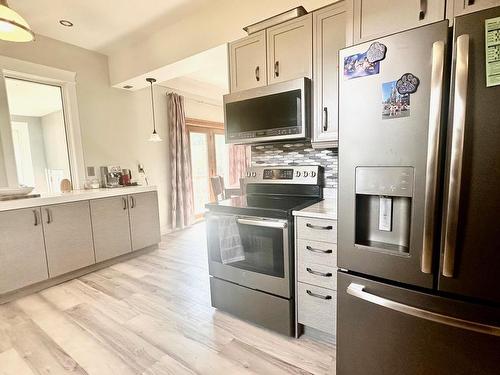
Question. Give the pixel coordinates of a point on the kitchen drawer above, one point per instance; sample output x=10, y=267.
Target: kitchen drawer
x=316, y=274
x=316, y=307
x=317, y=229
x=313, y=252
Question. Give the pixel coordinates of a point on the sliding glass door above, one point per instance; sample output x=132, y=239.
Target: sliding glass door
x=209, y=157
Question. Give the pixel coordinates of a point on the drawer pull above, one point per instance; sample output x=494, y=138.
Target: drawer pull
x=318, y=295
x=320, y=227
x=324, y=274
x=329, y=251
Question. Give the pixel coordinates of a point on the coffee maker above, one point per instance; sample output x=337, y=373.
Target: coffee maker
x=110, y=176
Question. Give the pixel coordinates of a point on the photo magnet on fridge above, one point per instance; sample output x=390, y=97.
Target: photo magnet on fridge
x=394, y=104
x=407, y=84
x=357, y=65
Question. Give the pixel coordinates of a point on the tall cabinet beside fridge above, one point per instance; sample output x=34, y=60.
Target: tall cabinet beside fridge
x=419, y=201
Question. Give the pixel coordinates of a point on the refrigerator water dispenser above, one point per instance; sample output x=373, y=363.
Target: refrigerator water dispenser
x=383, y=208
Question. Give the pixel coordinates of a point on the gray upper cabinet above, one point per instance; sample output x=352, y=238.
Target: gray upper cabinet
x=374, y=18
x=289, y=50
x=329, y=36
x=110, y=225
x=459, y=7
x=144, y=220
x=247, y=62
x=68, y=237
x=22, y=250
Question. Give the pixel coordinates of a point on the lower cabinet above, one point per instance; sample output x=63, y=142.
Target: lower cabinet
x=22, y=251
x=68, y=237
x=316, y=274
x=40, y=243
x=144, y=219
x=110, y=226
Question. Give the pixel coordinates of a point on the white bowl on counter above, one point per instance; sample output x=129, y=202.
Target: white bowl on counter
x=21, y=190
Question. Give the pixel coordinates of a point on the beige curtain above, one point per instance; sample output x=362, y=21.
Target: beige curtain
x=180, y=164
x=239, y=162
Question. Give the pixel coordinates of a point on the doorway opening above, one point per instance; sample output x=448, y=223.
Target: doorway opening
x=38, y=134
x=209, y=157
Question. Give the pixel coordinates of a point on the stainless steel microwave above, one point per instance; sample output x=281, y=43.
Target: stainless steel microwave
x=280, y=111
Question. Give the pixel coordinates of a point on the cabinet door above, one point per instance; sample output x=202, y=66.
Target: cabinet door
x=247, y=62
x=68, y=237
x=375, y=18
x=110, y=226
x=22, y=250
x=328, y=37
x=289, y=50
x=144, y=220
x=468, y=6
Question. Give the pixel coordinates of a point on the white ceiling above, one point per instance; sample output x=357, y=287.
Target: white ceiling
x=99, y=23
x=32, y=99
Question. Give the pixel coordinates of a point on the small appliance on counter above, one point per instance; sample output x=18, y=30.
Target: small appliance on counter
x=251, y=244
x=110, y=176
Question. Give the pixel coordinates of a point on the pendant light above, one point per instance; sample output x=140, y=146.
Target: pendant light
x=154, y=136
x=13, y=27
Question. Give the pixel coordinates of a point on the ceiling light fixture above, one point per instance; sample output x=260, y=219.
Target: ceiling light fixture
x=154, y=136
x=13, y=27
x=66, y=23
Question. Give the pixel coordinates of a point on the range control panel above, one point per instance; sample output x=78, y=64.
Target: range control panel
x=302, y=175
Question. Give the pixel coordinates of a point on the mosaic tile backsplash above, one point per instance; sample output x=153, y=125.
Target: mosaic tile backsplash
x=298, y=154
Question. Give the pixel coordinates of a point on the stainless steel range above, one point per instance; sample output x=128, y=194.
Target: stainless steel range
x=251, y=242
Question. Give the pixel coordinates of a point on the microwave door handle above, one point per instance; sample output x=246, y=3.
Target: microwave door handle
x=456, y=156
x=436, y=97
x=263, y=223
x=358, y=291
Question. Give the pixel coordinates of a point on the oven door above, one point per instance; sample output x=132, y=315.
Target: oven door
x=266, y=263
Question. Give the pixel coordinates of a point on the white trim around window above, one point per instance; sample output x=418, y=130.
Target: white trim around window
x=20, y=69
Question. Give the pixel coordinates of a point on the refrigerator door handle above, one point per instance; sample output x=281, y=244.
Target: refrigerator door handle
x=358, y=291
x=436, y=97
x=457, y=148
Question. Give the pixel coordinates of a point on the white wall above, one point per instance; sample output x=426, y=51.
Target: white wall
x=37, y=149
x=54, y=137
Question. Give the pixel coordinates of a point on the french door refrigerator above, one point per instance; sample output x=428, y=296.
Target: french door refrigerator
x=419, y=201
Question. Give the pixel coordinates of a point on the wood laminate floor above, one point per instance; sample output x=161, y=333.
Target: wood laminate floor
x=149, y=315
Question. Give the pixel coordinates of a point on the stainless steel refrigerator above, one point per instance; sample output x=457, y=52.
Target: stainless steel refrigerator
x=419, y=201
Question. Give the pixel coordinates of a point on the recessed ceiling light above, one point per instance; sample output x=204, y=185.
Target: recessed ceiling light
x=128, y=87
x=66, y=23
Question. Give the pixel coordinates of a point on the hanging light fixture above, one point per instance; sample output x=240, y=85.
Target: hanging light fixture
x=154, y=136
x=13, y=27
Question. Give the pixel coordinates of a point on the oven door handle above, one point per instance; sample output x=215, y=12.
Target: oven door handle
x=263, y=223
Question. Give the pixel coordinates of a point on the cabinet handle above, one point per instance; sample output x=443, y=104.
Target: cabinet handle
x=329, y=251
x=324, y=274
x=49, y=216
x=276, y=68
x=132, y=202
x=312, y=226
x=318, y=295
x=325, y=119
x=423, y=10
x=124, y=203
x=35, y=214
x=470, y=2
x=257, y=73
